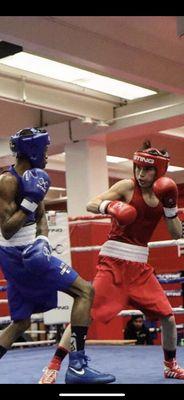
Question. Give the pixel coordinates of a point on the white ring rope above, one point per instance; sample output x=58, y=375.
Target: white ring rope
x=157, y=244
x=34, y=318
x=85, y=248
x=173, y=293
x=122, y=313
x=40, y=331
x=125, y=313
x=33, y=343
x=166, y=243
x=3, y=288
x=96, y=217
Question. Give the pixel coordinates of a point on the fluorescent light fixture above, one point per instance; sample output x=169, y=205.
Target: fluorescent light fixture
x=57, y=188
x=178, y=132
x=173, y=168
x=102, y=124
x=66, y=73
x=116, y=160
x=87, y=120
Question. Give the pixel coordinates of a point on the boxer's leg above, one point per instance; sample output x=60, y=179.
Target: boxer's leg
x=64, y=278
x=169, y=343
x=82, y=292
x=148, y=294
x=78, y=370
x=20, y=312
x=51, y=371
x=169, y=335
x=11, y=333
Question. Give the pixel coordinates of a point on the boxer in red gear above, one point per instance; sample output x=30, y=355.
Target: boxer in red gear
x=124, y=278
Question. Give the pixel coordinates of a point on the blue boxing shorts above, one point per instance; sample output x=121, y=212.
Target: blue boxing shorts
x=30, y=293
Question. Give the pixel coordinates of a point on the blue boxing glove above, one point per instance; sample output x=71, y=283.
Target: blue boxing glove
x=35, y=185
x=36, y=256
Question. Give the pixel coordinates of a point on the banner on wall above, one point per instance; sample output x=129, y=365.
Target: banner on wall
x=60, y=242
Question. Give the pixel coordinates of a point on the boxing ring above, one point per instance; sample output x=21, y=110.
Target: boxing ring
x=130, y=364
x=136, y=364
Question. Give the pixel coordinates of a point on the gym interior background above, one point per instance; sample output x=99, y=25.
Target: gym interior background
x=87, y=126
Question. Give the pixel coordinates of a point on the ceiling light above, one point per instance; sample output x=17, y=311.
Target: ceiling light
x=102, y=124
x=59, y=189
x=66, y=73
x=173, y=168
x=87, y=120
x=117, y=160
x=178, y=132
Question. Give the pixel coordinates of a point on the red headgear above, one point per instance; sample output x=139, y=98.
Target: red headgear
x=145, y=159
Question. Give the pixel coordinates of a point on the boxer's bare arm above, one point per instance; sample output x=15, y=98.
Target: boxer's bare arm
x=11, y=219
x=174, y=226
x=118, y=191
x=41, y=221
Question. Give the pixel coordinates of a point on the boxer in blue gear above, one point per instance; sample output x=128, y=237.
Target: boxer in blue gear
x=33, y=275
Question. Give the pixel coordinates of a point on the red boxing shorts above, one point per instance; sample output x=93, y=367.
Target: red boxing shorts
x=121, y=284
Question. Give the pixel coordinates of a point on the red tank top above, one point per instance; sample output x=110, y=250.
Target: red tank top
x=140, y=231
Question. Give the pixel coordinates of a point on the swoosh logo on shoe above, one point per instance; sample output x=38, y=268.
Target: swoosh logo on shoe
x=81, y=372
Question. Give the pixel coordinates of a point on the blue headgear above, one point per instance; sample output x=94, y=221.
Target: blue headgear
x=30, y=143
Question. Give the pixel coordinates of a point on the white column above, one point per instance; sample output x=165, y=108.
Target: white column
x=86, y=174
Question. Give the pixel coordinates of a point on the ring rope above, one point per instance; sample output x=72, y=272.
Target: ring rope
x=125, y=313
x=3, y=288
x=7, y=319
x=122, y=313
x=110, y=342
x=177, y=280
x=166, y=243
x=41, y=331
x=89, y=217
x=156, y=244
x=85, y=248
x=93, y=217
x=33, y=343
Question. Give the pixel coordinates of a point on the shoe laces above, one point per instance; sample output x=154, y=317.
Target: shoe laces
x=178, y=368
x=49, y=374
x=174, y=365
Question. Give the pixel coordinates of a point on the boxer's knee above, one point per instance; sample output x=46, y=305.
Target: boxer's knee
x=88, y=291
x=21, y=325
x=169, y=319
x=168, y=325
x=82, y=288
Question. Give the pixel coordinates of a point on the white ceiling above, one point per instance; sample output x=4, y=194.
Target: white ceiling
x=143, y=50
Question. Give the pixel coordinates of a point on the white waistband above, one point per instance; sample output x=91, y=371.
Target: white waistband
x=124, y=251
x=24, y=236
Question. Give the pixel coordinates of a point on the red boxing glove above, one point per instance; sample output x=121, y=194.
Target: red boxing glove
x=124, y=213
x=167, y=192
